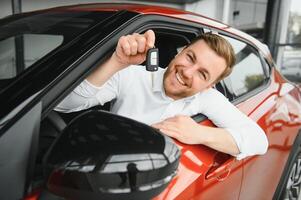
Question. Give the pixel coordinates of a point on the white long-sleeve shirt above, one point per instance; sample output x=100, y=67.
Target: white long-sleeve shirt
x=140, y=95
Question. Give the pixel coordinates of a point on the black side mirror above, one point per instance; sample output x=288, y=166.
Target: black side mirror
x=103, y=156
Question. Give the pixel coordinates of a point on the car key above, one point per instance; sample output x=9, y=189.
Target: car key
x=152, y=60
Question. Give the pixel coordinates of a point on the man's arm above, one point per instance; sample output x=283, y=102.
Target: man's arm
x=187, y=131
x=237, y=134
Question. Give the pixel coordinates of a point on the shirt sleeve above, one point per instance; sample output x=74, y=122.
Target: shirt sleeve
x=248, y=135
x=87, y=95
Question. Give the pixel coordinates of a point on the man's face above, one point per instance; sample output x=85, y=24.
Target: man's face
x=193, y=70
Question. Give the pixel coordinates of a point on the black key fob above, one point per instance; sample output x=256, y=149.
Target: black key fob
x=152, y=59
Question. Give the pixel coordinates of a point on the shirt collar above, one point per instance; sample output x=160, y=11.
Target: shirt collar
x=158, y=85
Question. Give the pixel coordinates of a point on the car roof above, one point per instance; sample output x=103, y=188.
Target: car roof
x=170, y=12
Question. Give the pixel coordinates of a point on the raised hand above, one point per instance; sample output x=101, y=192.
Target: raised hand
x=131, y=49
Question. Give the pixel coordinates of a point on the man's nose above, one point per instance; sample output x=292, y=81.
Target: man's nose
x=189, y=71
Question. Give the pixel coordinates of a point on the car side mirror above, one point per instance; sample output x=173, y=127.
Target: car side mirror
x=103, y=156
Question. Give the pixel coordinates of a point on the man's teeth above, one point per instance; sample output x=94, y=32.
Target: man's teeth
x=179, y=79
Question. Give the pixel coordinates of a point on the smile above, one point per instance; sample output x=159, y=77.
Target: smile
x=180, y=80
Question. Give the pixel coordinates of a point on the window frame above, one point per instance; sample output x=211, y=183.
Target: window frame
x=266, y=71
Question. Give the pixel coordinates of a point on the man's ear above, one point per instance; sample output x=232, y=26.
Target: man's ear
x=212, y=85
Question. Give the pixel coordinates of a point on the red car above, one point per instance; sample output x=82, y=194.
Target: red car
x=98, y=155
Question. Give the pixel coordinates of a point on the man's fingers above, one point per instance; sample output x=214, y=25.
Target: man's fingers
x=124, y=46
x=150, y=38
x=131, y=49
x=141, y=41
x=171, y=119
x=169, y=133
x=171, y=126
x=134, y=45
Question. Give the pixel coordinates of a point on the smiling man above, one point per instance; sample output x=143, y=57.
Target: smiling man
x=168, y=99
x=191, y=71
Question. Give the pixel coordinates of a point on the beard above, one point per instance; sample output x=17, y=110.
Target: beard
x=172, y=88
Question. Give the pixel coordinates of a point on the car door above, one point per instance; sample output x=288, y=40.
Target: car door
x=256, y=91
x=18, y=144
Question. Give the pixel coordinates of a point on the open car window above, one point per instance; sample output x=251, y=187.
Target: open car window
x=169, y=43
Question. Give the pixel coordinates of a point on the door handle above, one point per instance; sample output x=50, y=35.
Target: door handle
x=220, y=172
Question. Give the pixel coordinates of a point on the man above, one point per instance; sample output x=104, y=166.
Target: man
x=167, y=99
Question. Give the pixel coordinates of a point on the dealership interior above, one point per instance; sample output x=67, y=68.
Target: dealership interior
x=277, y=23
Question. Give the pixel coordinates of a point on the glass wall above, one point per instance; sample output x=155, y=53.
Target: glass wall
x=289, y=48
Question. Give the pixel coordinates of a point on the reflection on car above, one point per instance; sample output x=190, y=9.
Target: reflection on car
x=291, y=69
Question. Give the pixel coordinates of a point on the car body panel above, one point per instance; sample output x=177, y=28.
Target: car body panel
x=268, y=114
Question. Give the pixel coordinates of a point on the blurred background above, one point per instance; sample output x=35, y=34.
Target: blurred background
x=277, y=23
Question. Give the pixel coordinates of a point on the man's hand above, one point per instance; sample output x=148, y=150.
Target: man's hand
x=182, y=128
x=186, y=130
x=132, y=49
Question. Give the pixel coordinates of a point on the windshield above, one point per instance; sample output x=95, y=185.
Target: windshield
x=27, y=38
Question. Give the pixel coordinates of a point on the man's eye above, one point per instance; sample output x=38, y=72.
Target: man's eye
x=203, y=75
x=189, y=57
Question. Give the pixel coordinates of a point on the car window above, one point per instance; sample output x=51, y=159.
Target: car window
x=248, y=73
x=35, y=47
x=26, y=39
